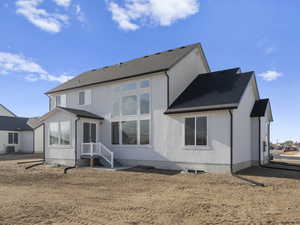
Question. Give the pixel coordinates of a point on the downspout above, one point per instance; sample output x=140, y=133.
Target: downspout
x=259, y=142
x=44, y=142
x=231, y=142
x=75, y=150
x=168, y=88
x=33, y=148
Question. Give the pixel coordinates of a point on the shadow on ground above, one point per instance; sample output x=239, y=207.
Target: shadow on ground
x=276, y=171
x=149, y=169
x=21, y=156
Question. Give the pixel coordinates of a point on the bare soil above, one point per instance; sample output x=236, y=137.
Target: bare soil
x=44, y=195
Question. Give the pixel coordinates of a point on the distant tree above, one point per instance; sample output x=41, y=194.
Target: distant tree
x=289, y=142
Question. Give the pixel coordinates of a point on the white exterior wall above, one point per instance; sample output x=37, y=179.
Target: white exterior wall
x=5, y=112
x=26, y=141
x=244, y=128
x=167, y=132
x=184, y=72
x=254, y=139
x=264, y=138
x=38, y=140
x=64, y=155
x=4, y=142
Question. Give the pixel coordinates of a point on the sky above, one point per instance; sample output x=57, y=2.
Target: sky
x=46, y=42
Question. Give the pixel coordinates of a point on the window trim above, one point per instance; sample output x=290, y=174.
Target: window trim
x=13, y=138
x=118, y=95
x=59, y=130
x=138, y=133
x=85, y=99
x=90, y=131
x=195, y=146
x=53, y=101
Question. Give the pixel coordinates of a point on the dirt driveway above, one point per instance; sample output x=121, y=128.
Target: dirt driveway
x=44, y=195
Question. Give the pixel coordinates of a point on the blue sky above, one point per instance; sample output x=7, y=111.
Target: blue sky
x=44, y=42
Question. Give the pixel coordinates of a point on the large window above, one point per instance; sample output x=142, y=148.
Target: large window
x=131, y=132
x=13, y=138
x=195, y=131
x=131, y=114
x=85, y=97
x=60, y=133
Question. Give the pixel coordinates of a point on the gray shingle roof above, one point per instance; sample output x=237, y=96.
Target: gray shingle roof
x=82, y=113
x=215, y=90
x=9, y=123
x=259, y=108
x=136, y=67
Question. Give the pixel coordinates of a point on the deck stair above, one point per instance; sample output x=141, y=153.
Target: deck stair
x=100, y=151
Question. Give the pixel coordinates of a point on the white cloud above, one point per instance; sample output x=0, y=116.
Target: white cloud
x=270, y=50
x=270, y=75
x=51, y=22
x=136, y=13
x=80, y=15
x=13, y=63
x=63, y=3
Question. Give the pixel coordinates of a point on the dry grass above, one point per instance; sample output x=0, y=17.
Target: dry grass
x=44, y=195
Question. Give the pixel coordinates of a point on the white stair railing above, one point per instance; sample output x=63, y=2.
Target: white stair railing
x=98, y=149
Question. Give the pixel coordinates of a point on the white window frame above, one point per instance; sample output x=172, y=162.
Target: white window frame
x=59, y=131
x=87, y=97
x=13, y=138
x=195, y=146
x=118, y=95
x=54, y=102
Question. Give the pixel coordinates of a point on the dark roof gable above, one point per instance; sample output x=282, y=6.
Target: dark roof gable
x=259, y=108
x=158, y=62
x=215, y=90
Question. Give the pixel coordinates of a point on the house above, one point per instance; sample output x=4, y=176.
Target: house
x=16, y=135
x=166, y=110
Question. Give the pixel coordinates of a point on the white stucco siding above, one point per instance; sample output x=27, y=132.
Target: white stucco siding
x=243, y=131
x=254, y=139
x=264, y=139
x=39, y=139
x=5, y=112
x=167, y=131
x=26, y=141
x=217, y=150
x=60, y=154
x=4, y=142
x=184, y=72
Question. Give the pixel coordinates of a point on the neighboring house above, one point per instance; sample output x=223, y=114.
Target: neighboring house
x=5, y=111
x=16, y=133
x=166, y=110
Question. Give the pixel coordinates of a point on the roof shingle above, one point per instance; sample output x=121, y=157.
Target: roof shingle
x=148, y=64
x=215, y=90
x=9, y=123
x=259, y=108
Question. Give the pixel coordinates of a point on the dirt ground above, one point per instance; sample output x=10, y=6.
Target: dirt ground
x=44, y=195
